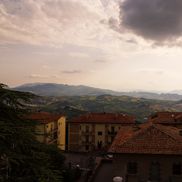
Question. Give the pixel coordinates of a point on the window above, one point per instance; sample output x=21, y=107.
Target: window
x=112, y=129
x=132, y=168
x=87, y=128
x=99, y=144
x=112, y=138
x=87, y=139
x=177, y=168
x=87, y=147
x=51, y=127
x=155, y=171
x=99, y=132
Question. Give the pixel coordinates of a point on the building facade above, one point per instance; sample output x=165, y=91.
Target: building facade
x=95, y=131
x=149, y=153
x=50, y=128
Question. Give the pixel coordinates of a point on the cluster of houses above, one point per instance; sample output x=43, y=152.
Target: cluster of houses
x=149, y=152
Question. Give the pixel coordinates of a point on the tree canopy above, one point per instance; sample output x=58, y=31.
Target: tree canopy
x=22, y=157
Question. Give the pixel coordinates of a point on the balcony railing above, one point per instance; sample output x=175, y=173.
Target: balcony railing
x=51, y=141
x=87, y=133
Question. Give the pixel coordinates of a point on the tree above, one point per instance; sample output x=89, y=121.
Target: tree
x=22, y=158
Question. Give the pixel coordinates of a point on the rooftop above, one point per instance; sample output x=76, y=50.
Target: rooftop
x=44, y=117
x=167, y=118
x=104, y=118
x=148, y=138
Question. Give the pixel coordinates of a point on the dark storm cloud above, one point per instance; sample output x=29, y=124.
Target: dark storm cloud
x=158, y=20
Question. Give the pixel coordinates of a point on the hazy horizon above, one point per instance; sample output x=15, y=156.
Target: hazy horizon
x=136, y=90
x=122, y=45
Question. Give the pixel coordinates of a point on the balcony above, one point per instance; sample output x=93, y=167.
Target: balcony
x=54, y=130
x=87, y=142
x=87, y=133
x=53, y=141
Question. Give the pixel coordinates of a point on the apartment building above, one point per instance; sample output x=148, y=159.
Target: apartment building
x=50, y=128
x=95, y=131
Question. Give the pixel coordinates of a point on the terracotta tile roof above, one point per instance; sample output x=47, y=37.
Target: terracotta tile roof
x=104, y=118
x=43, y=117
x=167, y=118
x=148, y=138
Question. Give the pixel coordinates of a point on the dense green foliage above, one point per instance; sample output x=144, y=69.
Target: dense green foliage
x=22, y=158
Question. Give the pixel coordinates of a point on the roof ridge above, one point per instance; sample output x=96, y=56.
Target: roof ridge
x=149, y=139
x=137, y=133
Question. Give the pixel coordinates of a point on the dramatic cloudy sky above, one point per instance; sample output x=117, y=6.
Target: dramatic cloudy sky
x=115, y=44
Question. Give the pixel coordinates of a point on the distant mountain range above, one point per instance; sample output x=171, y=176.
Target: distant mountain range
x=52, y=89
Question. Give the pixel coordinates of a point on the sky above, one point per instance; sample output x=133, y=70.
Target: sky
x=121, y=45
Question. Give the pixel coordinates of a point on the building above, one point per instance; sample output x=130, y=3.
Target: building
x=167, y=118
x=95, y=131
x=150, y=152
x=50, y=128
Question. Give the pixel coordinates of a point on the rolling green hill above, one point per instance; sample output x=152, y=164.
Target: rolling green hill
x=139, y=107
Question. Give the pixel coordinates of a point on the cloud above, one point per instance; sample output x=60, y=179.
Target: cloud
x=157, y=20
x=100, y=61
x=131, y=41
x=157, y=72
x=46, y=22
x=71, y=71
x=78, y=54
x=38, y=76
x=54, y=23
x=114, y=24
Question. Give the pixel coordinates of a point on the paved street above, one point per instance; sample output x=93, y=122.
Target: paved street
x=82, y=160
x=104, y=174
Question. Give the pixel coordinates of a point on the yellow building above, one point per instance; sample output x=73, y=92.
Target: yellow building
x=95, y=131
x=50, y=129
x=61, y=139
